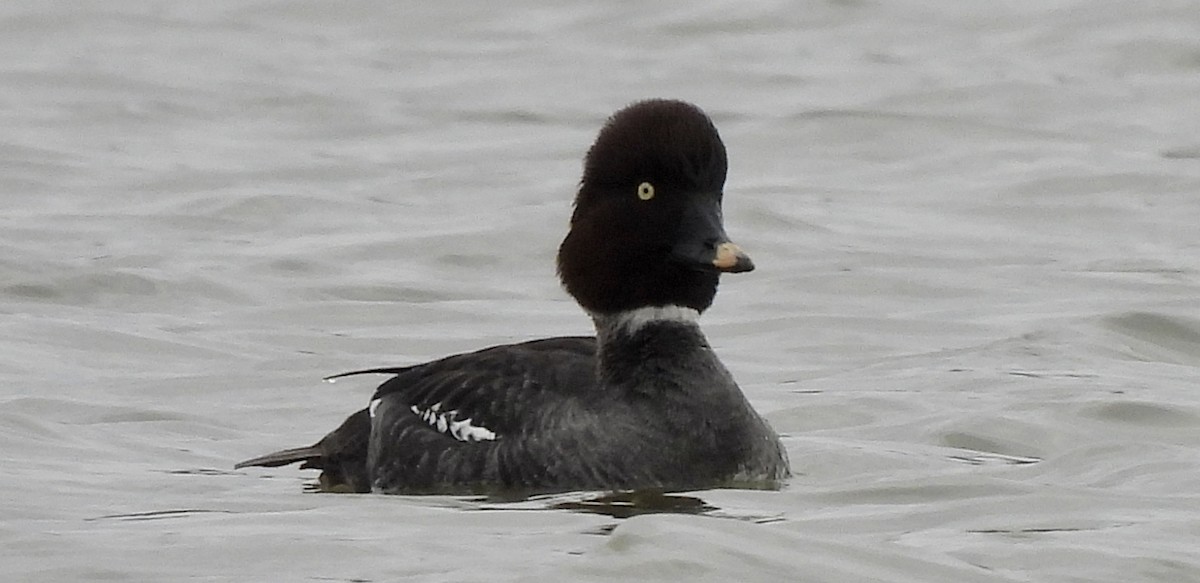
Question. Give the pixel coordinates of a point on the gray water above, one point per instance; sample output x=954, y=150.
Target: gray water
x=974, y=318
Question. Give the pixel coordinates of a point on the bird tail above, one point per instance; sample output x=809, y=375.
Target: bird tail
x=341, y=456
x=284, y=457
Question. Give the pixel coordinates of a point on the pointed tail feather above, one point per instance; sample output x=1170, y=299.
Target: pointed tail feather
x=285, y=457
x=341, y=455
x=385, y=370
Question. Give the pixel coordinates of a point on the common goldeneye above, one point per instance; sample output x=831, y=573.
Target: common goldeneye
x=645, y=404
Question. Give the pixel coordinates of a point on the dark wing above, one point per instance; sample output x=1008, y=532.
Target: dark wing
x=464, y=423
x=501, y=388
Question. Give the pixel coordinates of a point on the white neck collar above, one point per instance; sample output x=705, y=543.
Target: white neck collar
x=633, y=320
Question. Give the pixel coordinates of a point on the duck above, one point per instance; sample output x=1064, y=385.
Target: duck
x=643, y=405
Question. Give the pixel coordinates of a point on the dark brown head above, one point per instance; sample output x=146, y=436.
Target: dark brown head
x=647, y=227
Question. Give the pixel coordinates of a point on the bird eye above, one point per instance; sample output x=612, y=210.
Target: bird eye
x=645, y=191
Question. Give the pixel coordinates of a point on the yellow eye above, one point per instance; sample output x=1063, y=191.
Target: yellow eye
x=645, y=191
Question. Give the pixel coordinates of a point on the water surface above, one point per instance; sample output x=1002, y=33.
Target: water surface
x=974, y=318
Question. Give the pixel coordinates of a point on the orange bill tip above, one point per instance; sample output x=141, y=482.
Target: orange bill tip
x=730, y=258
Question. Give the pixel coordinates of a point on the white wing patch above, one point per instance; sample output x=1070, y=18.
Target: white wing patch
x=448, y=422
